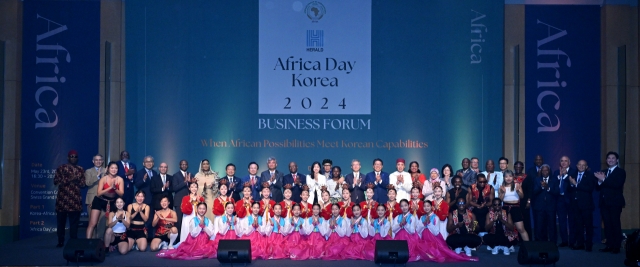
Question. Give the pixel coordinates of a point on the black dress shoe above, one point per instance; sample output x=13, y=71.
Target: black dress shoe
x=563, y=244
x=59, y=245
x=615, y=251
x=581, y=247
x=606, y=249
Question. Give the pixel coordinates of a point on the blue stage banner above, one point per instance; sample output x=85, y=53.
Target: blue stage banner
x=562, y=55
x=314, y=79
x=60, y=100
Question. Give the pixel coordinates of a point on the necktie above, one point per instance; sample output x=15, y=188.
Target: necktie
x=230, y=180
x=579, y=177
x=126, y=168
x=608, y=173
x=294, y=177
x=545, y=180
x=149, y=173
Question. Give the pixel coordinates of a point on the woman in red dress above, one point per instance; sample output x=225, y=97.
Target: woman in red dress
x=393, y=207
x=346, y=206
x=287, y=203
x=417, y=177
x=243, y=206
x=325, y=205
x=369, y=206
x=416, y=204
x=306, y=209
x=166, y=232
x=221, y=201
x=441, y=209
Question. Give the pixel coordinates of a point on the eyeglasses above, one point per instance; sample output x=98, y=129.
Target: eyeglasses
x=73, y=156
x=461, y=203
x=482, y=182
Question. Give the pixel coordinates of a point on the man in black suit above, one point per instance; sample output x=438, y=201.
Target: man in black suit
x=234, y=183
x=565, y=219
x=142, y=181
x=535, y=170
x=611, y=185
x=545, y=194
x=581, y=207
x=127, y=170
x=272, y=178
x=161, y=187
x=180, y=188
x=295, y=181
x=253, y=179
x=355, y=180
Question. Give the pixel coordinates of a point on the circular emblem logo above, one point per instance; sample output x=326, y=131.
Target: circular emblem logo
x=315, y=11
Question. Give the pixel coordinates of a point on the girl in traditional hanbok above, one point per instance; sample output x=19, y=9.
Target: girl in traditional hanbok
x=287, y=203
x=325, y=205
x=359, y=236
x=404, y=228
x=337, y=236
x=243, y=206
x=220, y=203
x=198, y=243
x=346, y=206
x=226, y=226
x=188, y=206
x=369, y=206
x=251, y=227
x=378, y=230
x=306, y=209
x=315, y=227
x=295, y=242
x=275, y=240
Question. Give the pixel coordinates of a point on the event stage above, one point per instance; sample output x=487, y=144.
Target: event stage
x=41, y=250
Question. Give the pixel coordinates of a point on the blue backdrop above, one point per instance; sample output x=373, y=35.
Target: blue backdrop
x=192, y=87
x=562, y=98
x=60, y=100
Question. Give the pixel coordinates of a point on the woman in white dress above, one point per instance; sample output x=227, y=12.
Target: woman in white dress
x=316, y=183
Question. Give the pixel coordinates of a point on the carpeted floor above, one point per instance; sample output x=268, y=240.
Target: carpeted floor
x=41, y=250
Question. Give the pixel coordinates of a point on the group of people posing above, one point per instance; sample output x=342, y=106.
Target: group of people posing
x=328, y=215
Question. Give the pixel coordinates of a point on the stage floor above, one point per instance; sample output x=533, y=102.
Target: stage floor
x=41, y=250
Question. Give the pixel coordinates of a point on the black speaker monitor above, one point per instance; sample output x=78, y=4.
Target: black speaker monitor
x=234, y=251
x=84, y=250
x=391, y=252
x=536, y=252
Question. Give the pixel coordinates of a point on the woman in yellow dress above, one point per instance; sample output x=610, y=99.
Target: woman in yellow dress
x=207, y=185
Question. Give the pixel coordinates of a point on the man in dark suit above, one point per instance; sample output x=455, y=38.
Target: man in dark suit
x=535, y=170
x=254, y=180
x=161, y=187
x=127, y=170
x=355, y=180
x=581, y=207
x=564, y=217
x=273, y=178
x=545, y=194
x=180, y=188
x=234, y=183
x=295, y=181
x=611, y=185
x=380, y=180
x=142, y=181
